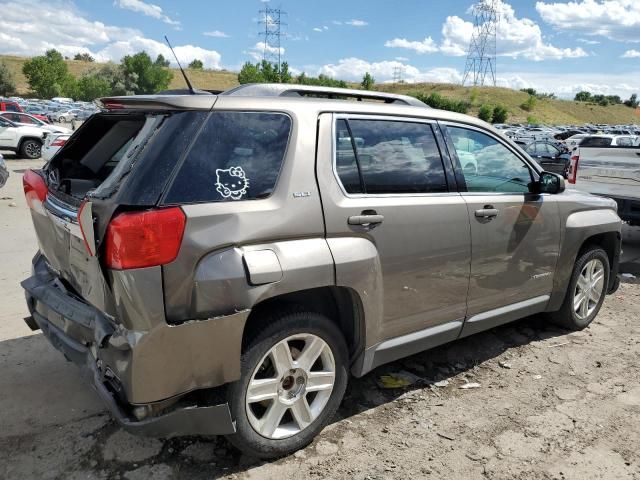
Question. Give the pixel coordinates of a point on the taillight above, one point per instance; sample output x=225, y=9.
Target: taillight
x=573, y=168
x=144, y=239
x=35, y=190
x=58, y=142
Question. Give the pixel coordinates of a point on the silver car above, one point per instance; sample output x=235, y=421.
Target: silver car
x=221, y=264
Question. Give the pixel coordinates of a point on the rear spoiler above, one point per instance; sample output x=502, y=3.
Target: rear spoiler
x=169, y=101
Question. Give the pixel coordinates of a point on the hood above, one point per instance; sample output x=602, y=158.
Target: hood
x=591, y=200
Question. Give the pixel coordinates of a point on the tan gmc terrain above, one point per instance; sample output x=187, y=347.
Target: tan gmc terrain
x=221, y=264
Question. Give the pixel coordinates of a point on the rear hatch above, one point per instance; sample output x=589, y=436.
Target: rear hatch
x=91, y=179
x=610, y=171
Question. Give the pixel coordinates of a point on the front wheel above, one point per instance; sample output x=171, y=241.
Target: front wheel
x=31, y=149
x=294, y=375
x=587, y=289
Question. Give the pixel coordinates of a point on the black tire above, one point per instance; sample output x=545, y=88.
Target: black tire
x=278, y=327
x=567, y=317
x=31, y=149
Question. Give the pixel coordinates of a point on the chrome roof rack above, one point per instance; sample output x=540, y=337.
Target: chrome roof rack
x=293, y=90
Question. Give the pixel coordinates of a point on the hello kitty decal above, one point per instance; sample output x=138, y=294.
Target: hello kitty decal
x=232, y=182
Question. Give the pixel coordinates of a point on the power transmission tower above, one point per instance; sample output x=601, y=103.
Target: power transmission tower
x=398, y=75
x=481, y=57
x=271, y=19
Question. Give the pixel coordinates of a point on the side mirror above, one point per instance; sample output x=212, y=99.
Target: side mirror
x=548, y=183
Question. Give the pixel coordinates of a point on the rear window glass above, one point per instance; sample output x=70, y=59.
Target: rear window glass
x=237, y=156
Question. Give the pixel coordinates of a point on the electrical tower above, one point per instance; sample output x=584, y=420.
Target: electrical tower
x=481, y=58
x=398, y=75
x=271, y=20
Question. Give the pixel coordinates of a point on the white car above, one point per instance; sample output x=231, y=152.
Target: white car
x=63, y=117
x=53, y=143
x=24, y=141
x=20, y=118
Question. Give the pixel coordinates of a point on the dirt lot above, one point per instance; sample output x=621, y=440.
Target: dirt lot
x=550, y=405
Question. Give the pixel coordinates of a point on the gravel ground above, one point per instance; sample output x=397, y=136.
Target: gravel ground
x=548, y=405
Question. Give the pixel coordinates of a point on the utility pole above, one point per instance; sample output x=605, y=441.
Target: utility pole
x=398, y=75
x=481, y=57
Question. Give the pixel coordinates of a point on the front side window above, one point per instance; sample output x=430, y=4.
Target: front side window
x=237, y=156
x=388, y=156
x=488, y=165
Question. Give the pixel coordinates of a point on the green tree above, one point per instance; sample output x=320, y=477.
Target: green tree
x=500, y=114
x=48, y=75
x=529, y=104
x=84, y=57
x=142, y=76
x=91, y=86
x=582, y=96
x=367, y=81
x=250, y=73
x=633, y=101
x=530, y=91
x=285, y=74
x=161, y=61
x=7, y=82
x=196, y=64
x=485, y=113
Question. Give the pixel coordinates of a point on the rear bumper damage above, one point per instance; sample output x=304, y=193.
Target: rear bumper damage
x=97, y=344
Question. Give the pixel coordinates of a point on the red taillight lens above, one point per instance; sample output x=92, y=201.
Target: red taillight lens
x=573, y=169
x=144, y=239
x=59, y=142
x=35, y=190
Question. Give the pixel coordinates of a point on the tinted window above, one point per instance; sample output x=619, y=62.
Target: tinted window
x=596, y=142
x=392, y=156
x=624, y=142
x=12, y=107
x=237, y=156
x=487, y=165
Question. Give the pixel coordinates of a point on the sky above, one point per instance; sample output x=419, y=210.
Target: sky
x=554, y=46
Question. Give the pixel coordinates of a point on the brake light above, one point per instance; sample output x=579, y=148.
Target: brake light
x=58, y=142
x=35, y=190
x=144, y=239
x=573, y=168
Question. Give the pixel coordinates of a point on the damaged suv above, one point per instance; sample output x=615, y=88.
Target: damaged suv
x=220, y=264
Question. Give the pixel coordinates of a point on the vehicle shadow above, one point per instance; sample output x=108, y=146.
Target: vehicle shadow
x=196, y=457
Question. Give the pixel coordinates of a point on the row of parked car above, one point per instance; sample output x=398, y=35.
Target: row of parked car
x=61, y=110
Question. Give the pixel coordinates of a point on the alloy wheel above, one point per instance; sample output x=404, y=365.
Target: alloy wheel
x=589, y=288
x=291, y=386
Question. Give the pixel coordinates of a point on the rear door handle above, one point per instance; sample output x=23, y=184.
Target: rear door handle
x=365, y=220
x=487, y=212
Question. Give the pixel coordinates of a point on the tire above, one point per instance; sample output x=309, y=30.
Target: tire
x=295, y=332
x=578, y=317
x=31, y=149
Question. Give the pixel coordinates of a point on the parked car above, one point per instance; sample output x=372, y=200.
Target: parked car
x=24, y=140
x=573, y=141
x=220, y=264
x=9, y=106
x=31, y=120
x=4, y=172
x=53, y=143
x=550, y=156
x=63, y=116
x=38, y=112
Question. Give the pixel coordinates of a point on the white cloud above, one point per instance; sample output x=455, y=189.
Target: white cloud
x=354, y=68
x=402, y=59
x=324, y=28
x=631, y=54
x=588, y=42
x=613, y=19
x=257, y=51
x=215, y=34
x=58, y=25
x=357, y=23
x=428, y=45
x=516, y=38
x=148, y=9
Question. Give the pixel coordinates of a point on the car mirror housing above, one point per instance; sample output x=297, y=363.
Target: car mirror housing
x=548, y=183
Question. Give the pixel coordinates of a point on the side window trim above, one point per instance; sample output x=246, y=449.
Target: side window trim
x=456, y=161
x=440, y=142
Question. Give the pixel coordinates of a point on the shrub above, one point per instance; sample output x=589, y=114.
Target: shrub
x=486, y=113
x=436, y=100
x=529, y=104
x=500, y=114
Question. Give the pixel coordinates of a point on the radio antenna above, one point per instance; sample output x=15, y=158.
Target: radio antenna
x=186, y=79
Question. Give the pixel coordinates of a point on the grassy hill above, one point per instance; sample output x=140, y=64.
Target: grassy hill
x=545, y=111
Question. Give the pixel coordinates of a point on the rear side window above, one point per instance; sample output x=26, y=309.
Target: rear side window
x=596, y=142
x=388, y=156
x=237, y=156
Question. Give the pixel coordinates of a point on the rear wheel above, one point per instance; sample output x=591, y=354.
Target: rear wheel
x=587, y=290
x=31, y=149
x=294, y=374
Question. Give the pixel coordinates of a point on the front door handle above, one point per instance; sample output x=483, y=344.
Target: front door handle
x=487, y=212
x=365, y=219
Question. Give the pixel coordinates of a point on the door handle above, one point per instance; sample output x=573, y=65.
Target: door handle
x=487, y=212
x=365, y=219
